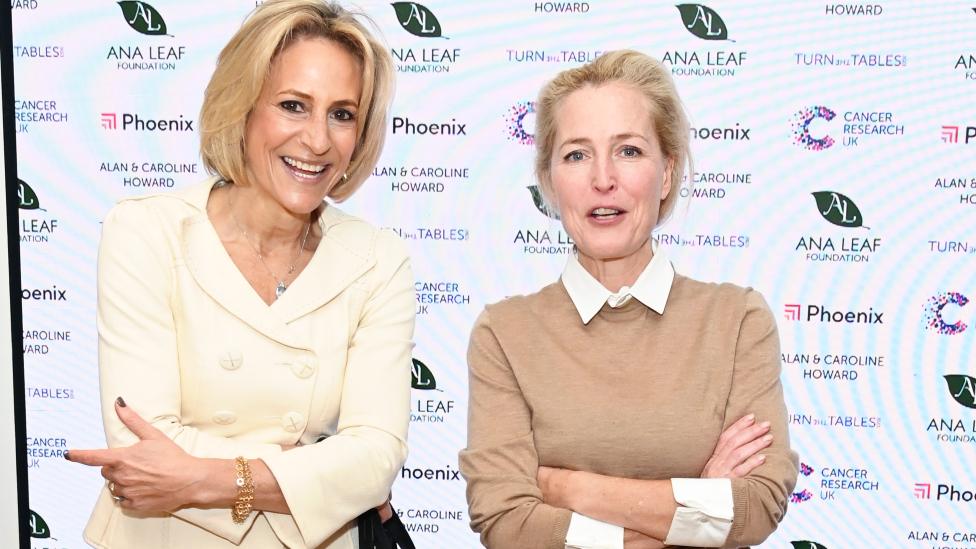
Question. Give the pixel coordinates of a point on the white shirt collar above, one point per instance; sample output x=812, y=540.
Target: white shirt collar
x=651, y=288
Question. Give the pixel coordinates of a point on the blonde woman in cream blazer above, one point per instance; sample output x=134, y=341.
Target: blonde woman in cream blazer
x=254, y=340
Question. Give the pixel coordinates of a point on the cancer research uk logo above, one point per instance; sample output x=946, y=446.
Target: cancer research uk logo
x=144, y=19
x=812, y=127
x=840, y=211
x=706, y=24
x=834, y=482
x=420, y=21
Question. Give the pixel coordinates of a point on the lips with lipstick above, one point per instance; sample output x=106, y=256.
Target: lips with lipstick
x=304, y=170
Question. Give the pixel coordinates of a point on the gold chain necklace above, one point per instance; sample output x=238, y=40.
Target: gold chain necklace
x=280, y=285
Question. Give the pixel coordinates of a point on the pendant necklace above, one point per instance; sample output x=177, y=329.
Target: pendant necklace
x=280, y=285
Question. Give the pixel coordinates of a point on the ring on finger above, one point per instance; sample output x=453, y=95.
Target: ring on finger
x=118, y=499
x=111, y=487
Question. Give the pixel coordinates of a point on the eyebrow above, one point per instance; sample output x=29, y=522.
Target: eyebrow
x=586, y=140
x=307, y=97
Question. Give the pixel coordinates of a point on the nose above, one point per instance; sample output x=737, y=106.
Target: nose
x=604, y=177
x=315, y=136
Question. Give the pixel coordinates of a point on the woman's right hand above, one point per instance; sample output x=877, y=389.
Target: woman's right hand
x=737, y=451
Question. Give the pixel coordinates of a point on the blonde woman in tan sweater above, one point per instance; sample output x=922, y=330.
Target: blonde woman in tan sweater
x=624, y=406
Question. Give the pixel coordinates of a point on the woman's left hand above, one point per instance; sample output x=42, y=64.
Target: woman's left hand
x=555, y=485
x=153, y=474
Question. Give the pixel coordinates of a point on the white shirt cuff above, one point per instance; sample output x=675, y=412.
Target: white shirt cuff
x=704, y=515
x=587, y=533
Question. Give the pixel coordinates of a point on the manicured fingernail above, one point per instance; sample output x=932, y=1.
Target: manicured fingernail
x=751, y=417
x=764, y=425
x=66, y=456
x=121, y=402
x=768, y=438
x=762, y=459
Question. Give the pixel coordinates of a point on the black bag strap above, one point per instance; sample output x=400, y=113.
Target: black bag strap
x=396, y=531
x=374, y=534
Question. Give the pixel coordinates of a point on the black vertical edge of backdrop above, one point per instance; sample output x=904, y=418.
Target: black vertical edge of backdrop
x=13, y=262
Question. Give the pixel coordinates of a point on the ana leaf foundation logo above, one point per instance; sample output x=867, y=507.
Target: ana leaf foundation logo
x=421, y=377
x=27, y=198
x=703, y=22
x=520, y=123
x=804, y=544
x=143, y=18
x=838, y=209
x=417, y=20
x=540, y=202
x=38, y=528
x=933, y=313
x=963, y=389
x=801, y=128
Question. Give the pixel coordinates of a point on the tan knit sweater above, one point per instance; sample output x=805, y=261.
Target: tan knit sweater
x=632, y=394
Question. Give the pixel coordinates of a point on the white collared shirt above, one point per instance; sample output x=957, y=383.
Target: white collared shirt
x=704, y=514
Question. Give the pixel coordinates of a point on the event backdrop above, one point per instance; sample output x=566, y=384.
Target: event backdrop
x=834, y=147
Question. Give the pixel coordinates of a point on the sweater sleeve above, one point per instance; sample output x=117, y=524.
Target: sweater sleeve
x=500, y=463
x=760, y=498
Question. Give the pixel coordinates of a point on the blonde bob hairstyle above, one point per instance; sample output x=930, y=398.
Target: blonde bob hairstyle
x=646, y=75
x=245, y=63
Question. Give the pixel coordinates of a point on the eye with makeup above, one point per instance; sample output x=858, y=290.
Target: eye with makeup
x=292, y=105
x=343, y=115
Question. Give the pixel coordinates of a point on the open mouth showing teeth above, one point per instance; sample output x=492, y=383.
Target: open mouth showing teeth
x=603, y=213
x=304, y=169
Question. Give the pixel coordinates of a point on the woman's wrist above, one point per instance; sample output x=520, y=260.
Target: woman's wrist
x=214, y=484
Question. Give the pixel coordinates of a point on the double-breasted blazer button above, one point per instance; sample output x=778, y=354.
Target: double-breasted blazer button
x=224, y=417
x=292, y=422
x=231, y=360
x=302, y=369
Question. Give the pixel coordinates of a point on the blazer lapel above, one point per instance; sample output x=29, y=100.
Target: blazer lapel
x=336, y=264
x=216, y=274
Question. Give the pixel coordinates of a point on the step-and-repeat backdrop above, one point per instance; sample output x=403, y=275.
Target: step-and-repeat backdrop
x=835, y=147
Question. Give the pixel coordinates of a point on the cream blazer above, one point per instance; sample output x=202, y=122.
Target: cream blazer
x=192, y=348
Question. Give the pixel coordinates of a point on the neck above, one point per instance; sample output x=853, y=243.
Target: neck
x=615, y=273
x=267, y=224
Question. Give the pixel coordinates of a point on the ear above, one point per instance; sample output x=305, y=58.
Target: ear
x=666, y=184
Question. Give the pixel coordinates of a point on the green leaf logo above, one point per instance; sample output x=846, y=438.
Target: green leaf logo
x=27, y=196
x=540, y=202
x=703, y=22
x=422, y=378
x=963, y=389
x=838, y=209
x=417, y=20
x=38, y=528
x=806, y=545
x=143, y=18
